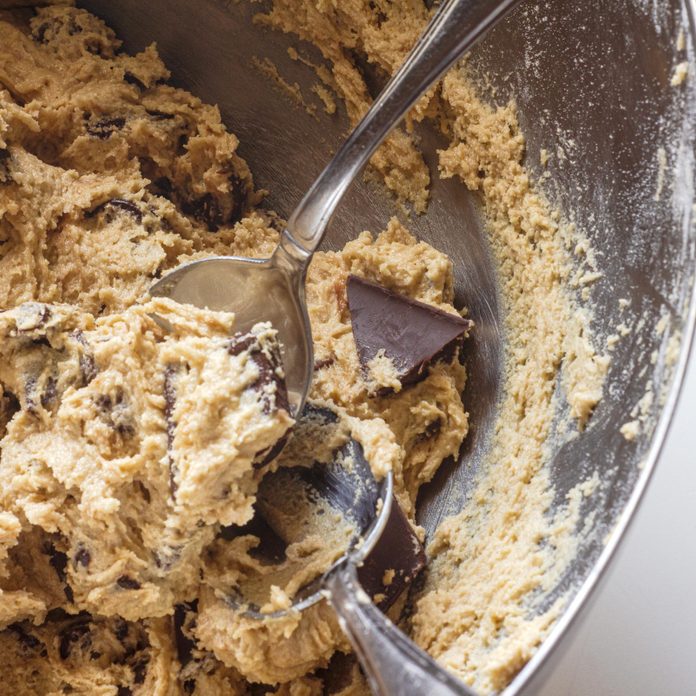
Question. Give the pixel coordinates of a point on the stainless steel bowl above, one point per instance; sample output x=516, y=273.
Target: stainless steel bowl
x=593, y=78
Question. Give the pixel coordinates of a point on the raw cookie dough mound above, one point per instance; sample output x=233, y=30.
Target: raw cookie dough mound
x=428, y=418
x=108, y=176
x=87, y=655
x=132, y=445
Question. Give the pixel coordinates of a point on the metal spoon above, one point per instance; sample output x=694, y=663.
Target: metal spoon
x=393, y=664
x=273, y=289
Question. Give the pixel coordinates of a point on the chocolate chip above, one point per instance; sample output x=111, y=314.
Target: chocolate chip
x=400, y=551
x=28, y=641
x=82, y=557
x=124, y=691
x=323, y=363
x=116, y=412
x=119, y=204
x=206, y=210
x=59, y=562
x=239, y=343
x=78, y=631
x=50, y=394
x=140, y=670
x=127, y=583
x=87, y=364
x=105, y=127
x=189, y=686
x=412, y=334
x=39, y=33
x=121, y=630
x=5, y=177
x=127, y=206
x=158, y=115
x=161, y=187
x=131, y=79
x=184, y=644
x=431, y=430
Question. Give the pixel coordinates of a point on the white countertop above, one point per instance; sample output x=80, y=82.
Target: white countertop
x=638, y=637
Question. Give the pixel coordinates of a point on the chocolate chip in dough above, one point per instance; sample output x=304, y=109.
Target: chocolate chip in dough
x=59, y=562
x=76, y=632
x=5, y=177
x=105, y=127
x=205, y=209
x=412, y=334
x=169, y=390
x=125, y=582
x=132, y=79
x=398, y=558
x=82, y=557
x=28, y=641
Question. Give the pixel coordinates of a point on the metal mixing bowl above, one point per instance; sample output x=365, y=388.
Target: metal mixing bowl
x=592, y=77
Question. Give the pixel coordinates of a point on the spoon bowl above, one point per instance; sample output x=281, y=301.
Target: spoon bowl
x=255, y=290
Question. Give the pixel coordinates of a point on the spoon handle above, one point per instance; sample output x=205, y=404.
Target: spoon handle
x=455, y=27
x=394, y=665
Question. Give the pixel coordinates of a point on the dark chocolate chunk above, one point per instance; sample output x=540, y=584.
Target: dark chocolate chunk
x=78, y=631
x=398, y=550
x=189, y=686
x=128, y=207
x=321, y=364
x=121, y=630
x=240, y=343
x=28, y=641
x=50, y=393
x=205, y=209
x=270, y=453
x=124, y=691
x=184, y=644
x=131, y=79
x=158, y=115
x=104, y=127
x=431, y=430
x=119, y=204
x=127, y=583
x=140, y=670
x=82, y=557
x=59, y=563
x=88, y=366
x=116, y=412
x=412, y=334
x=5, y=177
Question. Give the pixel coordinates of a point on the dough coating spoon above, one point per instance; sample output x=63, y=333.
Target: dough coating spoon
x=273, y=290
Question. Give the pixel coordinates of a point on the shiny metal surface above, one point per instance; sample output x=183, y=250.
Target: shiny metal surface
x=274, y=290
x=591, y=78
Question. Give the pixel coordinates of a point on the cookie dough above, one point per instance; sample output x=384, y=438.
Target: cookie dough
x=131, y=463
x=131, y=453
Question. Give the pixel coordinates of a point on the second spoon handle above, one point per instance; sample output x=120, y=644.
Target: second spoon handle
x=455, y=27
x=394, y=665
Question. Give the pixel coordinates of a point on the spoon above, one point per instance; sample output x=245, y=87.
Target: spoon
x=273, y=289
x=382, y=540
